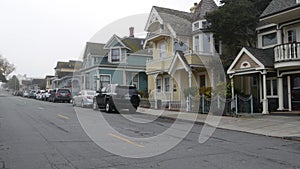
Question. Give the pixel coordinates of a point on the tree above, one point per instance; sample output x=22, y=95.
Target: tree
x=5, y=68
x=13, y=83
x=235, y=23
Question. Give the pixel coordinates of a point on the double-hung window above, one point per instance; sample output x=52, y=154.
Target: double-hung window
x=162, y=50
x=115, y=55
x=167, y=84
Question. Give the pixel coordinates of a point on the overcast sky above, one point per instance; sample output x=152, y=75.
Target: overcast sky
x=35, y=34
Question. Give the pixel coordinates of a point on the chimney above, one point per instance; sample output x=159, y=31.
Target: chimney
x=131, y=32
x=192, y=9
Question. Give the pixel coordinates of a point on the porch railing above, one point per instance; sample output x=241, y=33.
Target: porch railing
x=287, y=52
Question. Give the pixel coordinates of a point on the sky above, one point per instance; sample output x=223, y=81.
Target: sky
x=35, y=34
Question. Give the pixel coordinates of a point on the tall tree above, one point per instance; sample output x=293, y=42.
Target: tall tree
x=5, y=68
x=235, y=22
x=13, y=83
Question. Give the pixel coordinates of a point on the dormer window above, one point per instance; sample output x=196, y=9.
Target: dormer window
x=196, y=26
x=115, y=55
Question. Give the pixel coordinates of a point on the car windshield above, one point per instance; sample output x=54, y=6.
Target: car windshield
x=63, y=91
x=125, y=90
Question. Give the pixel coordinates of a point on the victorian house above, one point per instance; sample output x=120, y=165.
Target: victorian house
x=119, y=61
x=271, y=71
x=182, y=49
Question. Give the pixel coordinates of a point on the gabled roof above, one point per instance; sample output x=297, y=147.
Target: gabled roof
x=277, y=6
x=72, y=64
x=95, y=49
x=262, y=57
x=180, y=21
x=204, y=7
x=179, y=56
x=110, y=41
x=181, y=14
x=265, y=56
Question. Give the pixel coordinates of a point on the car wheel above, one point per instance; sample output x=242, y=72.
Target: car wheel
x=108, y=107
x=95, y=105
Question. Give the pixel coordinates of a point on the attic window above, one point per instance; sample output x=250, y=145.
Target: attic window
x=115, y=55
x=196, y=26
x=245, y=64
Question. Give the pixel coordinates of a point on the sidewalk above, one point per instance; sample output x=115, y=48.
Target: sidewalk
x=287, y=127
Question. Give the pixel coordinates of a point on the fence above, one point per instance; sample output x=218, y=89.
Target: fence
x=216, y=104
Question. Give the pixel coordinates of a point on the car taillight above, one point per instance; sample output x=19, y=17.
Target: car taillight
x=58, y=94
x=89, y=97
x=69, y=94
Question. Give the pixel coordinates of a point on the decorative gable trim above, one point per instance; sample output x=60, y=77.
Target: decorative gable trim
x=172, y=68
x=153, y=17
x=115, y=37
x=233, y=65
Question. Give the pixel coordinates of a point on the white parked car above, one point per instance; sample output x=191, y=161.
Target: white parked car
x=39, y=94
x=84, y=98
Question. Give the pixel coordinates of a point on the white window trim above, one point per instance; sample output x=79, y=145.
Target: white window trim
x=110, y=54
x=194, y=29
x=164, y=86
x=161, y=81
x=271, y=79
x=158, y=49
x=260, y=40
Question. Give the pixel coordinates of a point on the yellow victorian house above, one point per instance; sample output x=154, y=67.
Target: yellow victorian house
x=182, y=48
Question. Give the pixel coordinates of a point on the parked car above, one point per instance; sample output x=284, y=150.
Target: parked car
x=25, y=93
x=46, y=95
x=32, y=94
x=39, y=94
x=61, y=95
x=84, y=98
x=116, y=97
x=296, y=97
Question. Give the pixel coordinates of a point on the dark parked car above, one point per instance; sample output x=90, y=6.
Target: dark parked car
x=61, y=95
x=116, y=97
x=296, y=98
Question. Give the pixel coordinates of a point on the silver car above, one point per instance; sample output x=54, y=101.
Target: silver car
x=84, y=98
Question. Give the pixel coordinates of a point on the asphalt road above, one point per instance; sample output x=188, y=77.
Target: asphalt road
x=43, y=135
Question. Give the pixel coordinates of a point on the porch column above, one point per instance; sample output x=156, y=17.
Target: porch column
x=289, y=93
x=280, y=94
x=279, y=36
x=190, y=79
x=172, y=88
x=265, y=100
x=232, y=87
x=233, y=106
x=172, y=91
x=155, y=92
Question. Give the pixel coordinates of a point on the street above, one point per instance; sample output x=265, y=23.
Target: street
x=43, y=135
